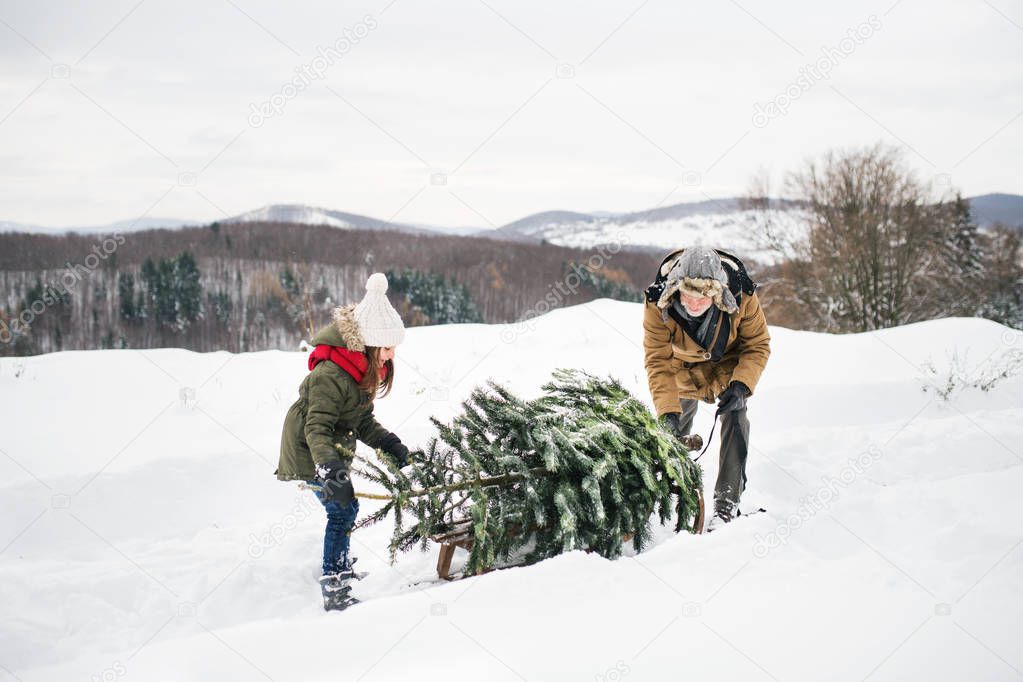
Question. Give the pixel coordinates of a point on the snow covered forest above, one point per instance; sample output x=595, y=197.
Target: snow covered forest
x=868, y=246
x=261, y=286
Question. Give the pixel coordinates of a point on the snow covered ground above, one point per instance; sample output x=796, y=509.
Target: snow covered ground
x=144, y=536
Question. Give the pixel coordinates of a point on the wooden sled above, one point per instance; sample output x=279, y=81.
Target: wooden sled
x=461, y=536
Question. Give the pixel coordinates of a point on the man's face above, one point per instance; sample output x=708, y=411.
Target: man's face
x=696, y=305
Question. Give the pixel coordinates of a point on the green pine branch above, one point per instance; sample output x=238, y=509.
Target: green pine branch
x=581, y=467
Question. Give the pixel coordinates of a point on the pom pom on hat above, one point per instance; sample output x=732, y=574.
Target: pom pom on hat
x=379, y=323
x=377, y=283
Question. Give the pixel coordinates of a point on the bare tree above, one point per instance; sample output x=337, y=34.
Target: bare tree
x=773, y=233
x=873, y=247
x=1001, y=287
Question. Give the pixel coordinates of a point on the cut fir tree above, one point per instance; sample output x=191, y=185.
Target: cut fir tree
x=584, y=466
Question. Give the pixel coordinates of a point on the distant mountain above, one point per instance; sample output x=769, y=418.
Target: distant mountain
x=8, y=226
x=717, y=222
x=122, y=226
x=988, y=209
x=722, y=223
x=311, y=215
x=539, y=226
x=275, y=213
x=459, y=231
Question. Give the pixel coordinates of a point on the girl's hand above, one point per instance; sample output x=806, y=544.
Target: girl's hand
x=337, y=486
x=393, y=446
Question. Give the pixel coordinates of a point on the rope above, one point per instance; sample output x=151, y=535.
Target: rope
x=717, y=413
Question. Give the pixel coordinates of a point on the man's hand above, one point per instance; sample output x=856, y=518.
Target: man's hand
x=733, y=398
x=337, y=486
x=673, y=420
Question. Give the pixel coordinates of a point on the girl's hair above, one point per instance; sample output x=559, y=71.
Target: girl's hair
x=371, y=381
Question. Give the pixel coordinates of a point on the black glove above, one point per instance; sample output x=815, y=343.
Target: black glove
x=733, y=398
x=393, y=446
x=673, y=421
x=337, y=485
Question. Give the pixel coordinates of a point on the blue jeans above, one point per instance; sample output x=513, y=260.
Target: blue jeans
x=340, y=520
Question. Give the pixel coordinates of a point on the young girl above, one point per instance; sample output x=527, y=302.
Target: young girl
x=353, y=363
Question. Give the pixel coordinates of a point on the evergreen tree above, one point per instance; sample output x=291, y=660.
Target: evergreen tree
x=187, y=290
x=290, y=284
x=1002, y=285
x=222, y=306
x=159, y=296
x=296, y=301
x=602, y=286
x=126, y=295
x=962, y=261
x=584, y=466
x=174, y=291
x=964, y=245
x=438, y=300
x=34, y=294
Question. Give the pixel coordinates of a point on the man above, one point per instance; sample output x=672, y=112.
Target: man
x=705, y=338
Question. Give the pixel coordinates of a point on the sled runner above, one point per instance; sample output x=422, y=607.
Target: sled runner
x=741, y=515
x=461, y=536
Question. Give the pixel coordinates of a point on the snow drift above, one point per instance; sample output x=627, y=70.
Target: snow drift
x=144, y=535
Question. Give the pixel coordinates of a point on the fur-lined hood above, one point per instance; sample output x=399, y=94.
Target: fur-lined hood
x=727, y=294
x=343, y=330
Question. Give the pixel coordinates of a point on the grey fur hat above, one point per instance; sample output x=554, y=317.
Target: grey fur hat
x=697, y=271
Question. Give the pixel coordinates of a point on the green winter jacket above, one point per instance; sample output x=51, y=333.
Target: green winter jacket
x=331, y=409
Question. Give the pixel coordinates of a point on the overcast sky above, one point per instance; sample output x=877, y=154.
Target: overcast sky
x=473, y=112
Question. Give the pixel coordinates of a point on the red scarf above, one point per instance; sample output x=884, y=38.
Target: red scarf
x=353, y=362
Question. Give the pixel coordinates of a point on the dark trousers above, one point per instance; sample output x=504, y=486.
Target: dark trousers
x=336, y=536
x=732, y=459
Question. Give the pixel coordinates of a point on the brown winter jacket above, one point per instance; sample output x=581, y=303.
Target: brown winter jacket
x=678, y=367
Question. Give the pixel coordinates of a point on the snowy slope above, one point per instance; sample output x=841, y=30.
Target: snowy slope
x=144, y=537
x=123, y=226
x=289, y=213
x=720, y=222
x=737, y=230
x=274, y=213
x=716, y=222
x=311, y=215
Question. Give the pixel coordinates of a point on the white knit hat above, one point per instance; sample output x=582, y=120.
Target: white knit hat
x=379, y=323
